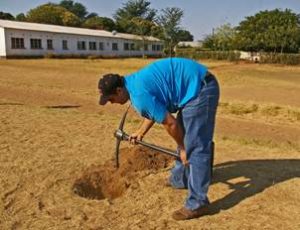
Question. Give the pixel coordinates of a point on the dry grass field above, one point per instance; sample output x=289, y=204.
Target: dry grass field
x=52, y=130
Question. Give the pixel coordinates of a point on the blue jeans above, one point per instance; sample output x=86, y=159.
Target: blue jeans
x=197, y=118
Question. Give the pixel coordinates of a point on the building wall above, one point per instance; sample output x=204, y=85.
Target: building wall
x=2, y=43
x=72, y=44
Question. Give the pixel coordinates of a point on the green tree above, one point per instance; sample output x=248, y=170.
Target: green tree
x=70, y=19
x=170, y=20
x=222, y=38
x=209, y=42
x=91, y=15
x=143, y=28
x=76, y=8
x=100, y=23
x=157, y=31
x=52, y=14
x=133, y=9
x=184, y=35
x=21, y=17
x=6, y=16
x=275, y=30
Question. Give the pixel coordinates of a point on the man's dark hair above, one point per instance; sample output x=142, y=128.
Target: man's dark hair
x=108, y=85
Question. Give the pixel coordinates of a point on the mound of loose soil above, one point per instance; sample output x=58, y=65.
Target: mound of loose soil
x=107, y=181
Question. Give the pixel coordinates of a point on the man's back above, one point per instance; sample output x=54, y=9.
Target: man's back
x=164, y=85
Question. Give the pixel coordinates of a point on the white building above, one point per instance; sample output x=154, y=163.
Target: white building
x=250, y=56
x=194, y=44
x=33, y=39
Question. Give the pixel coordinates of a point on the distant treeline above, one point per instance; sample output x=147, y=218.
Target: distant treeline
x=273, y=36
x=275, y=31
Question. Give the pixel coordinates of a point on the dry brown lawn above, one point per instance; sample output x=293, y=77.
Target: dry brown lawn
x=51, y=130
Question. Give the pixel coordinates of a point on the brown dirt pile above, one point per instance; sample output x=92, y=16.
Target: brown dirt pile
x=106, y=181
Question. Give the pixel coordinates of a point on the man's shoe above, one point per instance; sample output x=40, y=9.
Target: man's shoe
x=186, y=214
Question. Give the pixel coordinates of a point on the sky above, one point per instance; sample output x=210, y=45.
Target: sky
x=200, y=16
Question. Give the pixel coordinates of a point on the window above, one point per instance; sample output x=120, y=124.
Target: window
x=81, y=45
x=146, y=47
x=153, y=47
x=126, y=46
x=101, y=46
x=157, y=47
x=49, y=44
x=65, y=44
x=17, y=43
x=132, y=46
x=115, y=46
x=92, y=46
x=36, y=43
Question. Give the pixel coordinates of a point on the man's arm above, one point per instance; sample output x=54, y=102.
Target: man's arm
x=140, y=133
x=175, y=130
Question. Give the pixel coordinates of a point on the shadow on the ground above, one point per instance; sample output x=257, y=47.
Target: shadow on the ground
x=254, y=176
x=62, y=106
x=11, y=103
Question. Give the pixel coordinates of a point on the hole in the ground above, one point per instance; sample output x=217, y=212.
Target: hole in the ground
x=105, y=181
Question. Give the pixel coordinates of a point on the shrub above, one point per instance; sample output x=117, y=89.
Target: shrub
x=195, y=53
x=285, y=59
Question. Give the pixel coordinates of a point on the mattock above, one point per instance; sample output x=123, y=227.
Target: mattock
x=120, y=135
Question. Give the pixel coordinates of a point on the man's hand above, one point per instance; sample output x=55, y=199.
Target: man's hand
x=139, y=134
x=135, y=136
x=183, y=157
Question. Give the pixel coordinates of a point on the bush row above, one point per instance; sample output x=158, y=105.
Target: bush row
x=270, y=58
x=202, y=54
x=285, y=59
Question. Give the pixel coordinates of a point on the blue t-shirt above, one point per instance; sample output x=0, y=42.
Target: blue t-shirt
x=164, y=86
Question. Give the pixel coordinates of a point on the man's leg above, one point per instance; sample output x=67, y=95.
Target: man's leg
x=179, y=173
x=198, y=121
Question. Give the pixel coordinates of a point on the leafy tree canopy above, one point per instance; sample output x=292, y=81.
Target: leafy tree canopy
x=222, y=39
x=52, y=14
x=76, y=8
x=6, y=16
x=100, y=23
x=133, y=9
x=170, y=20
x=91, y=15
x=275, y=30
x=184, y=35
x=21, y=17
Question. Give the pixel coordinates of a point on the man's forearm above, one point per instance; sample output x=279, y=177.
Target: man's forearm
x=174, y=129
x=146, y=125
